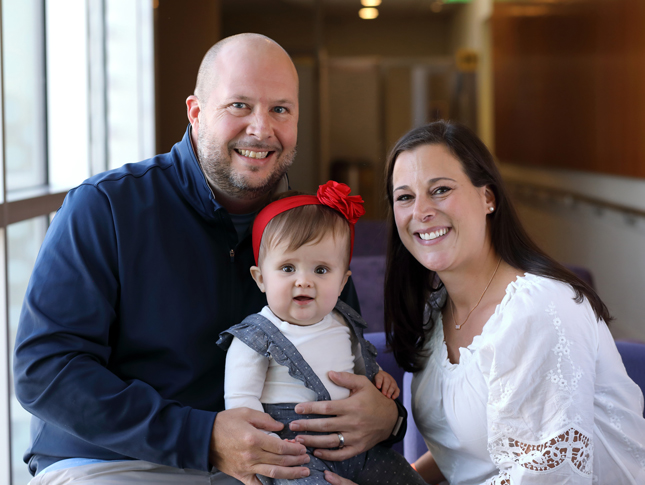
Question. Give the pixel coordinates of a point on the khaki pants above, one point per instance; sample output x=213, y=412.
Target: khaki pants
x=130, y=472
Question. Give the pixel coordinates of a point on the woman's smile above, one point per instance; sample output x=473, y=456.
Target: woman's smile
x=432, y=234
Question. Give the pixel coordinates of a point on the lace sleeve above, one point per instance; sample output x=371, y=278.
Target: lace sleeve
x=541, y=392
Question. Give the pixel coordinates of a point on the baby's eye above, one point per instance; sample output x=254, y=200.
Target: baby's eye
x=321, y=270
x=287, y=268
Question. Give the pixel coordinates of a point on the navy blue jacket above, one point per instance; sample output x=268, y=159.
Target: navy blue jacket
x=116, y=355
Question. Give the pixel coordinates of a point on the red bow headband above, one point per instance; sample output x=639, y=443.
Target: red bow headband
x=332, y=194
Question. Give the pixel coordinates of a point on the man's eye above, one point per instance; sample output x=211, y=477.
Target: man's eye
x=287, y=268
x=280, y=110
x=238, y=105
x=321, y=270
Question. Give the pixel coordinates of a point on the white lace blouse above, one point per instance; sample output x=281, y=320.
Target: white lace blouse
x=540, y=397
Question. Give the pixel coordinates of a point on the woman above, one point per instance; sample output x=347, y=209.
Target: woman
x=517, y=378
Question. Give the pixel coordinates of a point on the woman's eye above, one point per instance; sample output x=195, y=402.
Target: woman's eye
x=287, y=268
x=321, y=270
x=441, y=190
x=404, y=197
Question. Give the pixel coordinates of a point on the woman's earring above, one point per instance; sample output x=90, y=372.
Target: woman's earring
x=491, y=208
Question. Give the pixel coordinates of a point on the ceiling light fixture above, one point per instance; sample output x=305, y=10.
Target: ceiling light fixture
x=370, y=3
x=368, y=13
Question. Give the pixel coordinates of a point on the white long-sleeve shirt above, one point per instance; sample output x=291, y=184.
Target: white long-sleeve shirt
x=252, y=379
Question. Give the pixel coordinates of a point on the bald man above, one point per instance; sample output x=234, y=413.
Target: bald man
x=140, y=270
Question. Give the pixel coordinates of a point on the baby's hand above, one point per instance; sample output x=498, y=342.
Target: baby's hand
x=386, y=383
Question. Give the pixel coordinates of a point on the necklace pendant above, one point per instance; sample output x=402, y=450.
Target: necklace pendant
x=458, y=327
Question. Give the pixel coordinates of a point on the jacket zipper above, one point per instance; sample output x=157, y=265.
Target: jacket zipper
x=231, y=252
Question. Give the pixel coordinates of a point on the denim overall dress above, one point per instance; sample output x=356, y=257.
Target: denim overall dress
x=380, y=465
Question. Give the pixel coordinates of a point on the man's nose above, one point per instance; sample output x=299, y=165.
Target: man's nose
x=260, y=125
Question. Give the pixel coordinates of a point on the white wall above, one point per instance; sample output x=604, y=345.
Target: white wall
x=609, y=244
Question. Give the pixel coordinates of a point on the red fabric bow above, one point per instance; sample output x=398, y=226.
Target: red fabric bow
x=336, y=195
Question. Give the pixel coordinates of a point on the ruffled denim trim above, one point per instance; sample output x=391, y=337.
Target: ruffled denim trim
x=266, y=339
x=262, y=336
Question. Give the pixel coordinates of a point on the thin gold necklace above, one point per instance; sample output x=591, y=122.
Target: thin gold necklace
x=458, y=327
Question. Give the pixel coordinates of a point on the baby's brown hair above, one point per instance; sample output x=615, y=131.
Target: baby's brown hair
x=304, y=225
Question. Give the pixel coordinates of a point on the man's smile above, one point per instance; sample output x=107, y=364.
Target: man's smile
x=252, y=154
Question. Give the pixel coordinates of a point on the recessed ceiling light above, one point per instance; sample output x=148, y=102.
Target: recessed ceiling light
x=368, y=13
x=370, y=3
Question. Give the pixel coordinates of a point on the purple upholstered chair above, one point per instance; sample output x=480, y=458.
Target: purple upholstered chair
x=368, y=270
x=583, y=273
x=412, y=445
x=633, y=355
x=388, y=364
x=368, y=274
x=370, y=238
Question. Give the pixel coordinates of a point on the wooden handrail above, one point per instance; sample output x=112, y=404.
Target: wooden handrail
x=571, y=198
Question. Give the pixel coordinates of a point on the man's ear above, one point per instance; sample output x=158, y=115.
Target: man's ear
x=256, y=273
x=347, y=275
x=192, y=110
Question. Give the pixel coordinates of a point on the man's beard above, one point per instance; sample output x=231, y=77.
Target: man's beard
x=216, y=165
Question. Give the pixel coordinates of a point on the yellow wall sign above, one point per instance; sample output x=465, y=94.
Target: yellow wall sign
x=467, y=60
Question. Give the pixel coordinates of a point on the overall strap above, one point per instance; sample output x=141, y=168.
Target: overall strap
x=264, y=337
x=357, y=325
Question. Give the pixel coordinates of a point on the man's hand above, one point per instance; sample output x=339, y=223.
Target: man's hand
x=364, y=419
x=241, y=449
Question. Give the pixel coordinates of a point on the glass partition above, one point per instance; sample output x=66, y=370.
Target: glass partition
x=23, y=241
x=24, y=93
x=68, y=70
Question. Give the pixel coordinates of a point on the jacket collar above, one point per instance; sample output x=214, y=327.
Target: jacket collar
x=192, y=181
